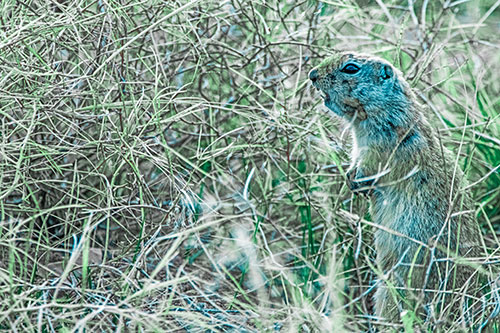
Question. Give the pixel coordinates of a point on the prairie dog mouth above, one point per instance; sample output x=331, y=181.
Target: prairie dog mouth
x=322, y=93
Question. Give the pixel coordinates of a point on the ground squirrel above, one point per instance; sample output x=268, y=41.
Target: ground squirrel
x=427, y=228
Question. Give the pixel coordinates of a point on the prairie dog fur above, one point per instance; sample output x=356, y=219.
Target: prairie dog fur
x=427, y=229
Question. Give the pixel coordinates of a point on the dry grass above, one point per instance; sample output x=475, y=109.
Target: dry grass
x=165, y=166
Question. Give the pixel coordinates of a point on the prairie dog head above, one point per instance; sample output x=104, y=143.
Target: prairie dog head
x=360, y=86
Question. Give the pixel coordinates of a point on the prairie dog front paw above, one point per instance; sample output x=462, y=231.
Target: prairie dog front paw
x=358, y=186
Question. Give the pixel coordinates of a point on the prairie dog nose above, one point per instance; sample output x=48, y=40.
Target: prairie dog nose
x=313, y=75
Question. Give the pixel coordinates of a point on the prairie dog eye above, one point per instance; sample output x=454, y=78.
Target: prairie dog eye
x=350, y=69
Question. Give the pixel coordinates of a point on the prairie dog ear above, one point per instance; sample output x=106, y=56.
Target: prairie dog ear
x=386, y=72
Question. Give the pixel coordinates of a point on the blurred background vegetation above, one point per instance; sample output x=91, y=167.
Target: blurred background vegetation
x=166, y=166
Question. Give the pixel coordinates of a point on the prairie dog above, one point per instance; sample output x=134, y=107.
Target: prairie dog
x=427, y=229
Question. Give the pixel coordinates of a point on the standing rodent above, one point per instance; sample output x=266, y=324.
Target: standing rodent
x=427, y=230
